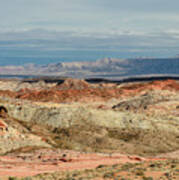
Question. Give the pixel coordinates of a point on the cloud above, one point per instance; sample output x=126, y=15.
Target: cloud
x=111, y=40
x=89, y=14
x=130, y=25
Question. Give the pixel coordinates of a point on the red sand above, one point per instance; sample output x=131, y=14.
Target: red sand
x=52, y=161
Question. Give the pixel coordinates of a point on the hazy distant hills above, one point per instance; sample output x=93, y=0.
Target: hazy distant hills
x=108, y=67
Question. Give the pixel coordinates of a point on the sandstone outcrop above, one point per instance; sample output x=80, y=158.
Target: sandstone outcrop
x=13, y=136
x=140, y=103
x=74, y=84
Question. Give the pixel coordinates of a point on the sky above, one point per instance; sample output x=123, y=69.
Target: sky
x=97, y=28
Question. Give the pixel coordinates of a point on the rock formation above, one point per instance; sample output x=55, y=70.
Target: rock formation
x=51, y=126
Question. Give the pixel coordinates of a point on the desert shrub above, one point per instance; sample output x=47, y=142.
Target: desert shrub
x=12, y=178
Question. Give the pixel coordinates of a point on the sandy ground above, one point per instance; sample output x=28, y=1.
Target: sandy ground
x=44, y=161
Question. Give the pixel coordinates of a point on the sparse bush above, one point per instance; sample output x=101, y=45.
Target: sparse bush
x=12, y=178
x=147, y=178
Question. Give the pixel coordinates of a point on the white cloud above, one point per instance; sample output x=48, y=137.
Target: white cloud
x=133, y=25
x=129, y=14
x=111, y=39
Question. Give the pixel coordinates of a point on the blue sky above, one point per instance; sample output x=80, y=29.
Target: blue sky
x=135, y=26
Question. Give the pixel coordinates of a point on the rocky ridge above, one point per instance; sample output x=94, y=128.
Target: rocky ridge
x=107, y=67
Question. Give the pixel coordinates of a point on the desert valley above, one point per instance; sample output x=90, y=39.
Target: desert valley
x=73, y=129
x=89, y=90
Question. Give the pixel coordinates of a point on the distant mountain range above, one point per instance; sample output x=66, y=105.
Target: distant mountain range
x=104, y=68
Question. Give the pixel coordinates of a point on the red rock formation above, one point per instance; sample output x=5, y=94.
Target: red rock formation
x=74, y=84
x=3, y=127
x=79, y=90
